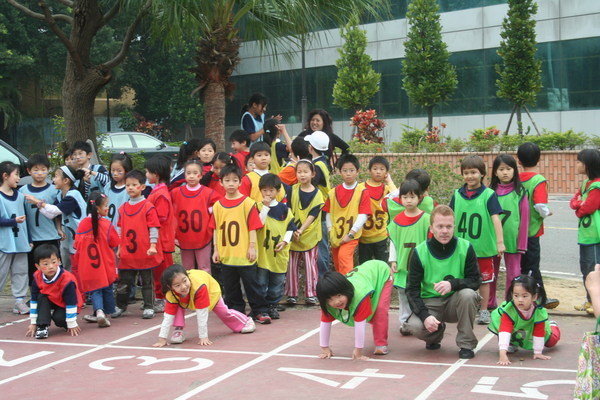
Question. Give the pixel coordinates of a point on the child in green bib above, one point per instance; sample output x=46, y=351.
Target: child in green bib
x=361, y=296
x=586, y=204
x=521, y=322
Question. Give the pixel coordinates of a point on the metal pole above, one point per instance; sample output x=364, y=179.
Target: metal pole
x=303, y=101
x=108, y=128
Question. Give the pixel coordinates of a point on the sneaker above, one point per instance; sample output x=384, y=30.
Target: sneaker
x=148, y=313
x=552, y=323
x=293, y=300
x=20, y=308
x=249, y=326
x=41, y=332
x=512, y=349
x=404, y=331
x=551, y=303
x=280, y=307
x=103, y=322
x=466, y=354
x=484, y=317
x=177, y=337
x=589, y=310
x=381, y=350
x=159, y=305
x=90, y=318
x=583, y=307
x=433, y=346
x=273, y=313
x=311, y=301
x=118, y=312
x=262, y=318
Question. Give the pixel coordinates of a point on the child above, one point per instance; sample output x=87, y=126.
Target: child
x=477, y=213
x=15, y=244
x=318, y=146
x=96, y=176
x=249, y=164
x=361, y=296
x=305, y=201
x=192, y=204
x=521, y=322
x=68, y=158
x=348, y=207
x=54, y=295
x=275, y=235
x=213, y=179
x=299, y=151
x=537, y=192
x=140, y=250
x=42, y=230
x=373, y=243
x=95, y=259
x=158, y=169
x=253, y=117
x=586, y=204
x=70, y=205
x=515, y=219
x=393, y=205
x=261, y=155
x=120, y=165
x=279, y=151
x=240, y=145
x=408, y=229
x=206, y=154
x=195, y=290
x=187, y=151
x=235, y=222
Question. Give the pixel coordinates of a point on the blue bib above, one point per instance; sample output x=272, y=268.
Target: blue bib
x=14, y=239
x=40, y=227
x=71, y=221
x=116, y=198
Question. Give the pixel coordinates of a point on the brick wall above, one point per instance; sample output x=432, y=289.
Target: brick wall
x=557, y=166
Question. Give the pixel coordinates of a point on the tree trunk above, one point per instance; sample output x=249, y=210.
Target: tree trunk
x=429, y=118
x=519, y=123
x=512, y=113
x=214, y=113
x=187, y=131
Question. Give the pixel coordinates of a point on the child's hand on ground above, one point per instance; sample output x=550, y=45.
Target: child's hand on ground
x=503, y=359
x=162, y=342
x=358, y=355
x=20, y=219
x=252, y=253
x=204, y=342
x=74, y=331
x=541, y=357
x=30, y=330
x=280, y=246
x=326, y=352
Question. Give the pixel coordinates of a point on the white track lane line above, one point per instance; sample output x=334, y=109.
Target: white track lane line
x=455, y=367
x=14, y=322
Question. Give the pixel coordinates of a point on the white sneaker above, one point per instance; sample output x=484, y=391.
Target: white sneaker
x=177, y=337
x=249, y=326
x=148, y=313
x=484, y=317
x=103, y=321
x=90, y=318
x=20, y=308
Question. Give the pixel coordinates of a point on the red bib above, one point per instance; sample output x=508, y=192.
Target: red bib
x=135, y=222
x=55, y=290
x=191, y=211
x=95, y=259
x=167, y=228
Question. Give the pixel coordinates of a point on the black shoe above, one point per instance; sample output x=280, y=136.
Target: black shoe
x=551, y=303
x=273, y=313
x=433, y=346
x=466, y=353
x=41, y=332
x=280, y=307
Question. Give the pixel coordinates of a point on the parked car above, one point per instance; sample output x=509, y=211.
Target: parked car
x=9, y=153
x=134, y=142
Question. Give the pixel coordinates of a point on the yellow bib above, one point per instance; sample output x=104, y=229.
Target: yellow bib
x=267, y=238
x=324, y=189
x=313, y=234
x=342, y=218
x=274, y=166
x=255, y=193
x=198, y=278
x=233, y=237
x=375, y=229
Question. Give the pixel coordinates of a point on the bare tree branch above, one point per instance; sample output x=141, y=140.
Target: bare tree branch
x=33, y=14
x=110, y=14
x=128, y=37
x=67, y=3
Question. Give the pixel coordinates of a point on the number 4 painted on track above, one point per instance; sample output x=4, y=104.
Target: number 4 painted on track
x=357, y=377
x=528, y=390
x=21, y=360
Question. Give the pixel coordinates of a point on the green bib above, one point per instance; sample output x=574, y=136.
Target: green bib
x=511, y=219
x=405, y=239
x=589, y=226
x=436, y=270
x=474, y=222
x=367, y=279
x=395, y=208
x=522, y=334
x=535, y=219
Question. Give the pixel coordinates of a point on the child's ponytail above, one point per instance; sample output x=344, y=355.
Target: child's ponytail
x=96, y=200
x=531, y=285
x=187, y=150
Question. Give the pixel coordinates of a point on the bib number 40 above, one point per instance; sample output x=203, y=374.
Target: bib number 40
x=470, y=225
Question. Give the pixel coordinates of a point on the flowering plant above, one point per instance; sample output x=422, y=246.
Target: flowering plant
x=153, y=128
x=435, y=134
x=485, y=134
x=367, y=126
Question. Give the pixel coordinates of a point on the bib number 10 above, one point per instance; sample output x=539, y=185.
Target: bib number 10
x=230, y=233
x=470, y=225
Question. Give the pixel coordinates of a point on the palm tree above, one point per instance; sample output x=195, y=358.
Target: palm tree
x=274, y=24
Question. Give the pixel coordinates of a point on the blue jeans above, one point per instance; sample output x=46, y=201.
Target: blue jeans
x=323, y=257
x=272, y=285
x=233, y=290
x=103, y=299
x=589, y=256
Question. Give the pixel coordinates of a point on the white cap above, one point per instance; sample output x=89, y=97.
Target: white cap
x=319, y=140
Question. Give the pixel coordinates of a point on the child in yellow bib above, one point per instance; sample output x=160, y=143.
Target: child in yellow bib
x=260, y=153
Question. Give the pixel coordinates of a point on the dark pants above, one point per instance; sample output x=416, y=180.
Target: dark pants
x=30, y=261
x=373, y=251
x=103, y=299
x=233, y=292
x=324, y=252
x=127, y=280
x=48, y=311
x=530, y=261
x=589, y=256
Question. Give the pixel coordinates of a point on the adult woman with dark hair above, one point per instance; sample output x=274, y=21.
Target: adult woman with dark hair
x=320, y=120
